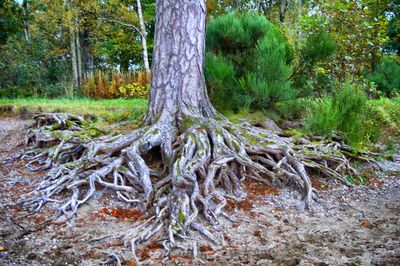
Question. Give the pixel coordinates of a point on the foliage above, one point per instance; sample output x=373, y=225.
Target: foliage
x=393, y=9
x=134, y=90
x=110, y=85
x=110, y=29
x=9, y=19
x=221, y=82
x=386, y=113
x=346, y=113
x=248, y=63
x=387, y=76
x=359, y=29
x=318, y=47
x=105, y=30
x=37, y=61
x=54, y=90
x=310, y=76
x=293, y=109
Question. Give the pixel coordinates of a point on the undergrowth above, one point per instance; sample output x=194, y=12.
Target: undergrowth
x=110, y=111
x=343, y=113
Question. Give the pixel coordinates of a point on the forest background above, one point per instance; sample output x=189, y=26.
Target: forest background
x=330, y=68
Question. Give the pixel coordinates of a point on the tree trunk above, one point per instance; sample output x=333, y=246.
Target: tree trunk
x=178, y=85
x=79, y=61
x=143, y=37
x=282, y=10
x=74, y=59
x=27, y=32
x=300, y=8
x=72, y=47
x=87, y=56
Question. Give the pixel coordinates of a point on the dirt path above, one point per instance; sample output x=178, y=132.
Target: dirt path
x=358, y=226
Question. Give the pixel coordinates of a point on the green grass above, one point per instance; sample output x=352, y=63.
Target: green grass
x=109, y=110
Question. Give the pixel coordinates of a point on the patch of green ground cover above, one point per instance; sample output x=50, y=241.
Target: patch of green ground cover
x=115, y=110
x=374, y=121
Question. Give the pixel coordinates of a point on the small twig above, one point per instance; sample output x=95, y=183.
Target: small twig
x=100, y=238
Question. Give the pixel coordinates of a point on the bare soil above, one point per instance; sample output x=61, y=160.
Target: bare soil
x=350, y=226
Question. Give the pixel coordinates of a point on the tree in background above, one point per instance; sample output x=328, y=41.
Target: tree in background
x=309, y=76
x=393, y=11
x=10, y=14
x=359, y=30
x=34, y=62
x=69, y=40
x=387, y=76
x=252, y=59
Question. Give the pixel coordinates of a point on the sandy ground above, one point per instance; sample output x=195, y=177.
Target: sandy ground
x=357, y=226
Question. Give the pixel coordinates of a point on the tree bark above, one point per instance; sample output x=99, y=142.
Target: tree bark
x=299, y=31
x=178, y=85
x=72, y=47
x=74, y=59
x=282, y=10
x=143, y=37
x=79, y=61
x=27, y=32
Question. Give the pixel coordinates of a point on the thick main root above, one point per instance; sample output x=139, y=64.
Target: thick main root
x=201, y=164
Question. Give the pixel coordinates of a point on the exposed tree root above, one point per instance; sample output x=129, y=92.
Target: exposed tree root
x=201, y=163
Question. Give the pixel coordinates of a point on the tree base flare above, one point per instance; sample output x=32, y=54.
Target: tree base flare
x=181, y=174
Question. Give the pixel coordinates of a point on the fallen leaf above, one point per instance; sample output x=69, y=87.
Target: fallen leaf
x=365, y=223
x=2, y=248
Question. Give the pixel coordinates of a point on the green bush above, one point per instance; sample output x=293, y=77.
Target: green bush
x=293, y=109
x=346, y=112
x=310, y=77
x=49, y=91
x=221, y=82
x=387, y=76
x=318, y=47
x=248, y=63
x=386, y=112
x=134, y=90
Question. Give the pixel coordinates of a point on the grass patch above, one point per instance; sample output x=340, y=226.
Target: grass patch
x=115, y=110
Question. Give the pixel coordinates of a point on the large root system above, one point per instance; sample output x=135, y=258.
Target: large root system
x=181, y=174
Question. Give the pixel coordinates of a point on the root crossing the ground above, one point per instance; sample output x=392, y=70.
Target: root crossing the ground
x=181, y=175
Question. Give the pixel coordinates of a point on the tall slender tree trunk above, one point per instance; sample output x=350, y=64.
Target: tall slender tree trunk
x=299, y=31
x=282, y=10
x=79, y=61
x=143, y=37
x=178, y=86
x=72, y=46
x=27, y=32
x=74, y=59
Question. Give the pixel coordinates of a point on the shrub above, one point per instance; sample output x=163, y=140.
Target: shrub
x=106, y=85
x=318, y=47
x=293, y=109
x=387, y=76
x=134, y=90
x=248, y=63
x=345, y=112
x=386, y=112
x=49, y=91
x=221, y=82
x=310, y=76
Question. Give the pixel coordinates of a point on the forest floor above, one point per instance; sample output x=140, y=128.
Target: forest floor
x=350, y=226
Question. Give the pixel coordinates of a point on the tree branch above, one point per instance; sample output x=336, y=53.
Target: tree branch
x=122, y=23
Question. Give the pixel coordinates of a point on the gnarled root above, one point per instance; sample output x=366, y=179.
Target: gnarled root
x=202, y=163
